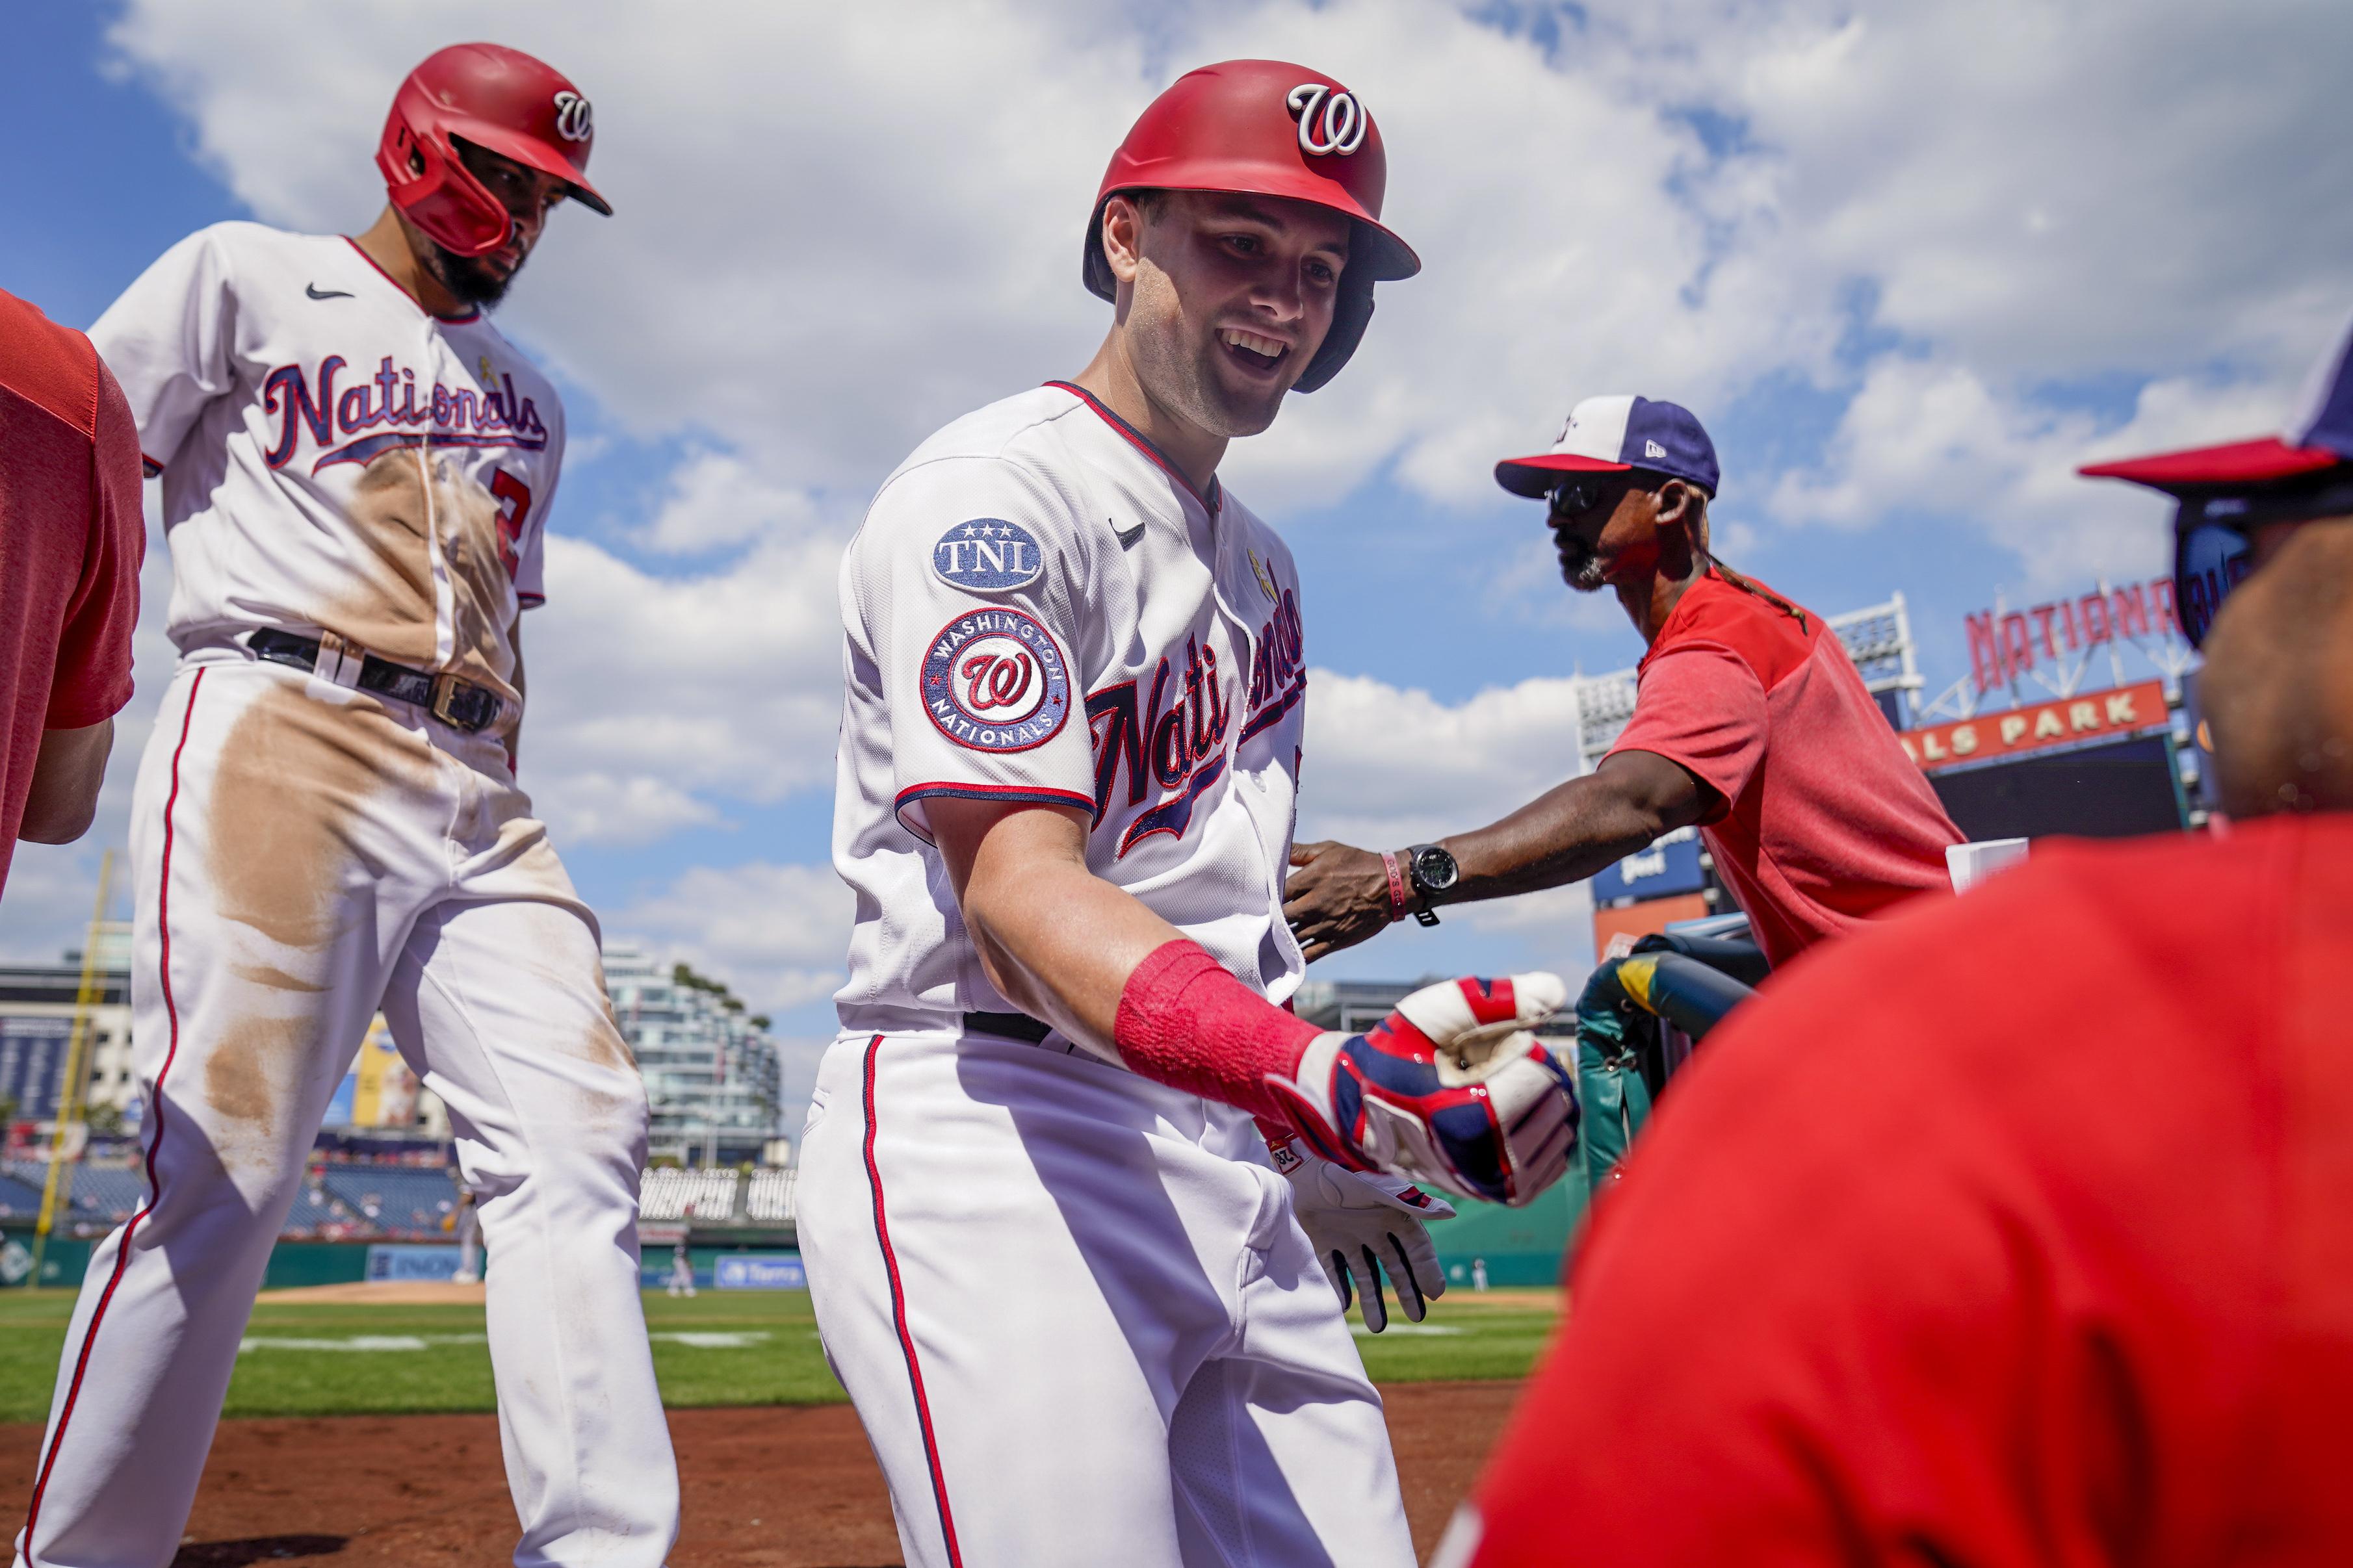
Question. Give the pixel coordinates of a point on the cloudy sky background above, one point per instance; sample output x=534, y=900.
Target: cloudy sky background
x=1911, y=263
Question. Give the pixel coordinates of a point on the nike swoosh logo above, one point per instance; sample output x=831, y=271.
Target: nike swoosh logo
x=316, y=292
x=1128, y=536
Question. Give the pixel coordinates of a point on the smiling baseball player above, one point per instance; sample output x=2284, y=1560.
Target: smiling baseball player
x=1076, y=1309
x=357, y=470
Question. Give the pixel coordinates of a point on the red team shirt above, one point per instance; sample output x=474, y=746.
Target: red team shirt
x=2017, y=1233
x=72, y=539
x=1826, y=823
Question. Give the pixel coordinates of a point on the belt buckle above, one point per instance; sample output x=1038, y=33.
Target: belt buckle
x=449, y=692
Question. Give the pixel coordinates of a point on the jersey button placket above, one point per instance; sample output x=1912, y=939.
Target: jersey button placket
x=1241, y=639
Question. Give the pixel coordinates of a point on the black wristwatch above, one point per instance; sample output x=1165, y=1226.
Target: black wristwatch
x=1432, y=872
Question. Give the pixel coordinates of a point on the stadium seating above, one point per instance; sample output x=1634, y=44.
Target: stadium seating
x=99, y=1192
x=769, y=1195
x=314, y=1212
x=108, y=1193
x=357, y=1200
x=393, y=1199
x=19, y=1200
x=669, y=1194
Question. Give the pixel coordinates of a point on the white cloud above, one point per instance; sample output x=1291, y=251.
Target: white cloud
x=1935, y=439
x=837, y=230
x=2052, y=189
x=656, y=692
x=1387, y=765
x=717, y=500
x=598, y=808
x=776, y=933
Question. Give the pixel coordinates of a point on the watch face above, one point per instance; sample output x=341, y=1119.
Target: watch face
x=1434, y=867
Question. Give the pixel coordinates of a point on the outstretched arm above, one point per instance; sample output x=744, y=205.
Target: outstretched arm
x=1450, y=1090
x=1338, y=895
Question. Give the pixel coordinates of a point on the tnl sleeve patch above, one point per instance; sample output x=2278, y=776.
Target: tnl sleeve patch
x=987, y=555
x=993, y=680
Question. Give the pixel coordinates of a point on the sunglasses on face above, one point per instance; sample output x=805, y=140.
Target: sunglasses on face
x=2214, y=549
x=2209, y=561
x=1574, y=498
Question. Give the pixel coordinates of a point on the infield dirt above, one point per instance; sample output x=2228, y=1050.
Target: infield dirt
x=764, y=1488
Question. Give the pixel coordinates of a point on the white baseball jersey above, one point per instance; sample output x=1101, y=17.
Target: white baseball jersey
x=335, y=459
x=1078, y=1319
x=1039, y=608
x=304, y=853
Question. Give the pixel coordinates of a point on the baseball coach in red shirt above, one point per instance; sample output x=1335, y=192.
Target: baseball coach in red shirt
x=1750, y=721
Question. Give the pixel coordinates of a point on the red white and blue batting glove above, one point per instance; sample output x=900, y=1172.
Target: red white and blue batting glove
x=1450, y=1090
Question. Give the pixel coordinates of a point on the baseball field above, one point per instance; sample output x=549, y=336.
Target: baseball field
x=360, y=1427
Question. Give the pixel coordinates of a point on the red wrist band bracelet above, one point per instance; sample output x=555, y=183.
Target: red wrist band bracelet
x=1184, y=1021
x=1396, y=886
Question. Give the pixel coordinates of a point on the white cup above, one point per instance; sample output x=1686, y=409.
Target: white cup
x=1973, y=863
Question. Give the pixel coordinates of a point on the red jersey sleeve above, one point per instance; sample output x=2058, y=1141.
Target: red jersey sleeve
x=93, y=671
x=1704, y=708
x=2011, y=1234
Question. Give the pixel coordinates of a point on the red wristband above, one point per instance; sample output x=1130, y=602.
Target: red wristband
x=1184, y=1022
x=1396, y=886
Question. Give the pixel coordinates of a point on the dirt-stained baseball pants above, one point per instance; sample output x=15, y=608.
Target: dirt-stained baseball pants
x=304, y=853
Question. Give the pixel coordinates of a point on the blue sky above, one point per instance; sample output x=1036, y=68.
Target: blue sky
x=1909, y=263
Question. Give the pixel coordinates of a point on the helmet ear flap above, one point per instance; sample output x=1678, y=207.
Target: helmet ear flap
x=1096, y=265
x=427, y=180
x=1351, y=312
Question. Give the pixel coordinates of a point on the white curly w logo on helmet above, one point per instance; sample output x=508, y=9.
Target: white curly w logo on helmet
x=574, y=119
x=1329, y=121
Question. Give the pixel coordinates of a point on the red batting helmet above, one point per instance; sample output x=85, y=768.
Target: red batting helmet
x=495, y=98
x=1267, y=128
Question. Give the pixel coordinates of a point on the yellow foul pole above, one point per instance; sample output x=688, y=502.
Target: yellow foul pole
x=58, y=1190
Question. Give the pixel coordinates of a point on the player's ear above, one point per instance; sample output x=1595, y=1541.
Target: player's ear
x=1123, y=238
x=1681, y=506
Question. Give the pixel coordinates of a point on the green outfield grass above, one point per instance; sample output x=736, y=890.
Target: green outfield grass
x=721, y=1348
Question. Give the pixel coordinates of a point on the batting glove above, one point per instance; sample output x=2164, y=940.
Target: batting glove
x=1451, y=1090
x=1361, y=1222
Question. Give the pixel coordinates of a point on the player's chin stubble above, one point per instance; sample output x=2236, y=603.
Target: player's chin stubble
x=1580, y=566
x=470, y=280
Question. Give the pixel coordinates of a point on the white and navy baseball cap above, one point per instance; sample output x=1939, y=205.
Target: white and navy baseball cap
x=1611, y=435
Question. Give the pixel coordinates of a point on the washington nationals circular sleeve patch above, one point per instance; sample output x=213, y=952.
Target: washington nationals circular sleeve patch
x=994, y=681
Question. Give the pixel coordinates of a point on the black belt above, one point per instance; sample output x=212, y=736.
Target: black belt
x=461, y=704
x=1013, y=1026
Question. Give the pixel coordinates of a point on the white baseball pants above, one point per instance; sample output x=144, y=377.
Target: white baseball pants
x=303, y=854
x=1079, y=1320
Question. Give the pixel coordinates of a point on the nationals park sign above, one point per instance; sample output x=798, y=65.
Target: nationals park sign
x=2005, y=646
x=2069, y=721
